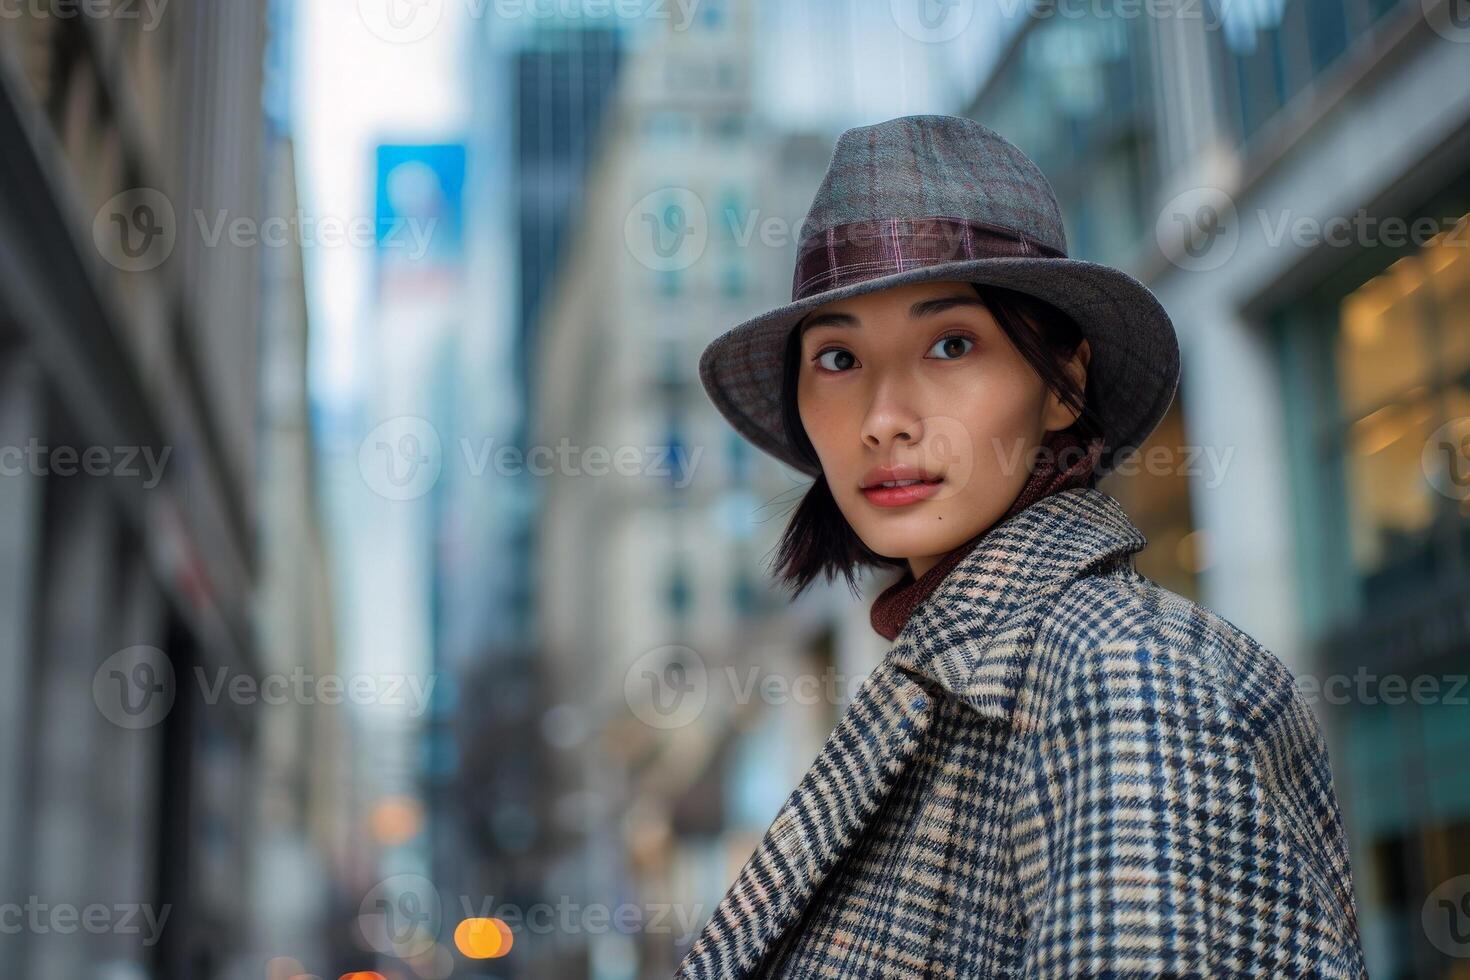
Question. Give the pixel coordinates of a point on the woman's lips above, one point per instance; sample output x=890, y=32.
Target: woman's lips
x=912, y=493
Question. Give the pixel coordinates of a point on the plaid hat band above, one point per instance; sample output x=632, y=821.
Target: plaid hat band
x=861, y=250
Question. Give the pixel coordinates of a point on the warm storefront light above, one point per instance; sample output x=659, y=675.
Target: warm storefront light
x=483, y=939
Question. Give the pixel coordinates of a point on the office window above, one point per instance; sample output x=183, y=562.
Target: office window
x=1157, y=500
x=1403, y=372
x=1377, y=363
x=677, y=454
x=745, y=595
x=739, y=455
x=1075, y=98
x=1268, y=51
x=1403, y=787
x=679, y=593
x=733, y=216
x=732, y=279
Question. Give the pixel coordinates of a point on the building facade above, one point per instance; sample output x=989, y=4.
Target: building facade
x=141, y=562
x=664, y=637
x=1291, y=181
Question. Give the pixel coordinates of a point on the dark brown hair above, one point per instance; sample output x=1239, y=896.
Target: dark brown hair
x=818, y=540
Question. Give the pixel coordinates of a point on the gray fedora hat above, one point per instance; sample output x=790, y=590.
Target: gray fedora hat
x=933, y=197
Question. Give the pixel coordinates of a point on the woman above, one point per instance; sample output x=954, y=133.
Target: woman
x=1060, y=768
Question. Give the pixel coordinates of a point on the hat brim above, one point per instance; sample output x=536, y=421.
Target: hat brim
x=1133, y=368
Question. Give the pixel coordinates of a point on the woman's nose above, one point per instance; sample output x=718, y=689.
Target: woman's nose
x=891, y=419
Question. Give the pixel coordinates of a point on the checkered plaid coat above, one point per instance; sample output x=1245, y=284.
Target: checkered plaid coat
x=1060, y=769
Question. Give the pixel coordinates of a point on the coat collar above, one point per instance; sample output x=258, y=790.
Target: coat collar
x=971, y=635
x=969, y=639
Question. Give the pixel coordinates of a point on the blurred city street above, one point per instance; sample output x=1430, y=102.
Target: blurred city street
x=381, y=595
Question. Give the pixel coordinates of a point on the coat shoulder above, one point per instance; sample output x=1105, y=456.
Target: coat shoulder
x=1194, y=651
x=1155, y=719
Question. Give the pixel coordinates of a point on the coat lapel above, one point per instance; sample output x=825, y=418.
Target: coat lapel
x=972, y=637
x=829, y=808
x=969, y=640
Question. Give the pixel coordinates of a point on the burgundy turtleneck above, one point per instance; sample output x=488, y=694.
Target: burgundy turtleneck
x=893, y=606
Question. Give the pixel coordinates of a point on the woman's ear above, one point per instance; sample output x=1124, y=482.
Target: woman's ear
x=1059, y=414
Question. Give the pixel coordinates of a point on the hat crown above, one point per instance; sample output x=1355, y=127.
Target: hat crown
x=927, y=165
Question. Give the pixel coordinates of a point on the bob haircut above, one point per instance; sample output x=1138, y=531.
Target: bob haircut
x=818, y=540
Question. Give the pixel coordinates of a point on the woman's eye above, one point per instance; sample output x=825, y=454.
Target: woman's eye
x=835, y=365
x=949, y=347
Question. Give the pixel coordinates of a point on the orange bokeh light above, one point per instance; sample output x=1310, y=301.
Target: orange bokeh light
x=483, y=939
x=395, y=820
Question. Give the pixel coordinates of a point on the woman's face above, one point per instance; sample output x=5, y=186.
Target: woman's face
x=920, y=377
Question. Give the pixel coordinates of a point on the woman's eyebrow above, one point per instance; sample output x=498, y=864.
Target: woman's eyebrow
x=923, y=308
x=929, y=307
x=828, y=320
